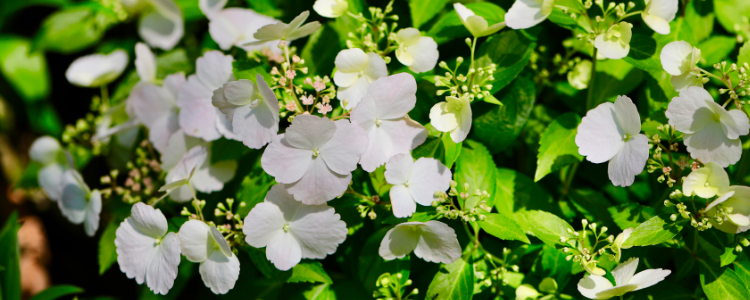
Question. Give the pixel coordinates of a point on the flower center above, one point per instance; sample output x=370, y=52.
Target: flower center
x=378, y=122
x=316, y=152
x=706, y=184
x=716, y=118
x=626, y=137
x=285, y=227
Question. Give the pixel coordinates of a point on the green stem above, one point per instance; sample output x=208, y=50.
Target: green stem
x=105, y=95
x=590, y=92
x=569, y=180
x=196, y=204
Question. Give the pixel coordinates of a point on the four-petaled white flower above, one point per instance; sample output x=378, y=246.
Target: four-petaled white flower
x=709, y=181
x=331, y=8
x=527, y=13
x=78, y=203
x=355, y=70
x=198, y=117
x=477, y=25
x=156, y=108
x=736, y=205
x=432, y=241
x=711, y=133
x=658, y=14
x=615, y=42
x=291, y=231
x=680, y=60
x=599, y=287
x=252, y=108
x=47, y=151
x=611, y=132
x=383, y=114
x=415, y=182
x=315, y=157
x=145, y=251
x=200, y=243
x=452, y=115
x=286, y=32
x=95, y=70
x=415, y=51
x=236, y=26
x=145, y=62
x=161, y=24
x=196, y=169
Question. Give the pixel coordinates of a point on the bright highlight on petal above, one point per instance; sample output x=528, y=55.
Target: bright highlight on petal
x=331, y=8
x=95, y=70
x=680, y=60
x=659, y=13
x=615, y=42
x=527, y=13
x=432, y=241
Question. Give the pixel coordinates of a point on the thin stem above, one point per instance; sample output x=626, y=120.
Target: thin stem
x=105, y=95
x=569, y=180
x=628, y=15
x=196, y=203
x=471, y=66
x=592, y=80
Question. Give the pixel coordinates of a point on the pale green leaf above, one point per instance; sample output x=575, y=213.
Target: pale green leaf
x=453, y=282
x=499, y=127
x=57, y=292
x=630, y=215
x=503, y=228
x=476, y=168
x=107, y=248
x=423, y=11
x=557, y=147
x=547, y=227
x=657, y=230
x=309, y=271
x=721, y=283
x=25, y=70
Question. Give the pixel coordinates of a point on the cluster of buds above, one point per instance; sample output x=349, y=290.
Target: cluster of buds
x=742, y=88
x=498, y=269
x=588, y=257
x=367, y=211
x=390, y=287
x=741, y=242
x=476, y=84
x=474, y=203
x=657, y=145
x=699, y=221
x=144, y=174
x=80, y=134
x=371, y=32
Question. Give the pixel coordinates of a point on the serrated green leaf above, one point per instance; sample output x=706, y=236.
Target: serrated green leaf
x=630, y=215
x=453, y=282
x=423, y=11
x=728, y=256
x=476, y=168
x=57, y=291
x=742, y=268
x=503, y=228
x=552, y=263
x=557, y=146
x=721, y=283
x=499, y=127
x=657, y=230
x=547, y=227
x=309, y=271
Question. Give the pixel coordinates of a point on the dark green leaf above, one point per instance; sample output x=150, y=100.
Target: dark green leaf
x=630, y=215
x=742, y=268
x=557, y=147
x=57, y=291
x=371, y=265
x=107, y=249
x=721, y=283
x=309, y=272
x=516, y=193
x=476, y=168
x=614, y=78
x=453, y=282
x=510, y=51
x=593, y=206
x=657, y=230
x=503, y=228
x=500, y=126
x=10, y=276
x=424, y=10
x=225, y=149
x=552, y=263
x=320, y=51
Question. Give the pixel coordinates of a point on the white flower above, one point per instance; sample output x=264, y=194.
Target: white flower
x=414, y=182
x=711, y=133
x=331, y=8
x=145, y=62
x=527, y=13
x=291, y=231
x=179, y=143
x=315, y=157
x=287, y=32
x=47, y=151
x=126, y=130
x=162, y=26
x=211, y=7
x=236, y=26
x=680, y=60
x=145, y=251
x=252, y=108
x=477, y=25
x=709, y=181
x=198, y=117
x=598, y=287
x=156, y=108
x=95, y=70
x=736, y=205
x=617, y=244
x=432, y=241
x=611, y=132
x=615, y=43
x=195, y=168
x=355, y=70
x=204, y=244
x=659, y=13
x=383, y=114
x=78, y=203
x=452, y=115
x=580, y=75
x=417, y=52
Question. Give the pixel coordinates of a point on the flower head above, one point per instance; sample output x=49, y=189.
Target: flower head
x=711, y=133
x=383, y=114
x=615, y=42
x=195, y=168
x=680, y=60
x=527, y=13
x=598, y=287
x=204, y=244
x=156, y=108
x=95, y=70
x=611, y=132
x=291, y=231
x=145, y=251
x=735, y=204
x=78, y=203
x=287, y=32
x=709, y=181
x=414, y=182
x=452, y=115
x=252, y=108
x=315, y=157
x=477, y=25
x=659, y=13
x=432, y=241
x=331, y=8
x=417, y=52
x=355, y=70
x=236, y=26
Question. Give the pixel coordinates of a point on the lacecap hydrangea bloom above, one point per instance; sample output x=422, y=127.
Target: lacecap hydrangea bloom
x=680, y=60
x=452, y=116
x=252, y=108
x=196, y=169
x=204, y=244
x=414, y=182
x=599, y=287
x=355, y=70
x=432, y=241
x=415, y=51
x=614, y=43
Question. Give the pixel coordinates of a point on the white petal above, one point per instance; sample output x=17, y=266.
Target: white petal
x=194, y=241
x=657, y=24
x=351, y=61
x=93, y=209
x=590, y=285
x=132, y=247
x=599, y=137
x=74, y=197
x=236, y=26
x=734, y=122
x=689, y=112
x=343, y=79
x=331, y=8
x=214, y=69
x=709, y=181
x=624, y=271
x=145, y=62
x=285, y=162
x=45, y=150
x=310, y=132
x=629, y=161
x=264, y=221
x=97, y=69
x=402, y=202
x=211, y=7
x=649, y=277
x=188, y=164
x=212, y=177
x=438, y=243
x=627, y=115
x=342, y=152
x=162, y=269
x=376, y=67
x=197, y=114
x=256, y=127
x=148, y=221
x=460, y=133
x=179, y=143
x=378, y=151
x=405, y=133
x=428, y=176
x=684, y=81
x=399, y=241
x=399, y=169
x=163, y=27
x=659, y=13
x=394, y=96
x=527, y=13
x=719, y=200
x=319, y=184
x=318, y=229
x=611, y=49
x=220, y=272
x=711, y=145
x=462, y=11
x=150, y=102
x=283, y=251
x=354, y=93
x=162, y=129
x=442, y=119
x=50, y=180
x=425, y=55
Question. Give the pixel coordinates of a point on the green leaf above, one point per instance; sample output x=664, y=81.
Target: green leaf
x=499, y=127
x=9, y=8
x=225, y=149
x=557, y=147
x=107, y=248
x=721, y=283
x=311, y=271
x=656, y=230
x=25, y=70
x=449, y=26
x=423, y=216
x=253, y=188
x=453, y=282
x=172, y=62
x=320, y=51
x=552, y=263
x=516, y=193
x=190, y=10
x=742, y=268
x=510, y=51
x=423, y=11
x=266, y=7
x=452, y=150
x=593, y=206
x=57, y=291
x=700, y=16
x=476, y=168
x=258, y=257
x=503, y=228
x=728, y=256
x=371, y=265
x=10, y=276
x=614, y=78
x=716, y=48
x=75, y=28
x=630, y=215
x=432, y=147
x=547, y=227
x=730, y=14
x=29, y=178
x=744, y=56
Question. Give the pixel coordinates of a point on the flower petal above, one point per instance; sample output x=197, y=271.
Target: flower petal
x=285, y=162
x=163, y=27
x=460, y=133
x=179, y=143
x=590, y=285
x=353, y=93
x=399, y=168
x=93, y=209
x=211, y=7
x=624, y=271
x=442, y=119
x=319, y=184
x=402, y=202
x=132, y=247
x=310, y=132
x=95, y=70
x=197, y=114
x=629, y=162
x=526, y=13
x=711, y=145
x=195, y=242
x=684, y=81
x=690, y=112
x=647, y=278
x=612, y=49
x=45, y=150
x=162, y=269
x=437, y=243
x=74, y=197
x=405, y=133
x=212, y=177
x=399, y=241
x=265, y=220
x=376, y=67
x=599, y=137
x=394, y=96
x=378, y=150
x=627, y=115
x=145, y=62
x=425, y=54
x=428, y=176
x=351, y=61
x=342, y=152
x=220, y=272
x=50, y=180
x=734, y=122
x=343, y=79
x=283, y=251
x=148, y=221
x=318, y=229
x=213, y=69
